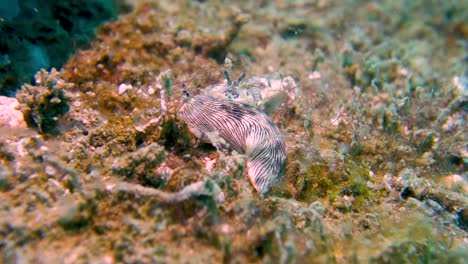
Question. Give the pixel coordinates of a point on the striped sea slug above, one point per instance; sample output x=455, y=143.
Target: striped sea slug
x=245, y=129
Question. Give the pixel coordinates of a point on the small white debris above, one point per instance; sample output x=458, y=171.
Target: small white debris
x=143, y=128
x=124, y=87
x=403, y=72
x=162, y=93
x=314, y=75
x=151, y=90
x=453, y=122
x=107, y=259
x=51, y=171
x=165, y=171
x=388, y=182
x=452, y=181
x=226, y=229
x=461, y=83
x=209, y=164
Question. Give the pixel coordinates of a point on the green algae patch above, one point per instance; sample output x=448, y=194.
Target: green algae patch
x=322, y=182
x=319, y=182
x=174, y=134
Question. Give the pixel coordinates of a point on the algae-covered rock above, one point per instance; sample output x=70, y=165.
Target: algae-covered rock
x=406, y=252
x=46, y=101
x=114, y=137
x=141, y=165
x=74, y=213
x=5, y=175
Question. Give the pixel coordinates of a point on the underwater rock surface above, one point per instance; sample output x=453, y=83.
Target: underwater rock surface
x=10, y=117
x=374, y=126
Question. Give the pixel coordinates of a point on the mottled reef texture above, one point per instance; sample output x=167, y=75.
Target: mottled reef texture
x=376, y=141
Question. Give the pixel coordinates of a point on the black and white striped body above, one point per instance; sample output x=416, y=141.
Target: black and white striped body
x=245, y=130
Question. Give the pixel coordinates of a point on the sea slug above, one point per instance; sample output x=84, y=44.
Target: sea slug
x=245, y=129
